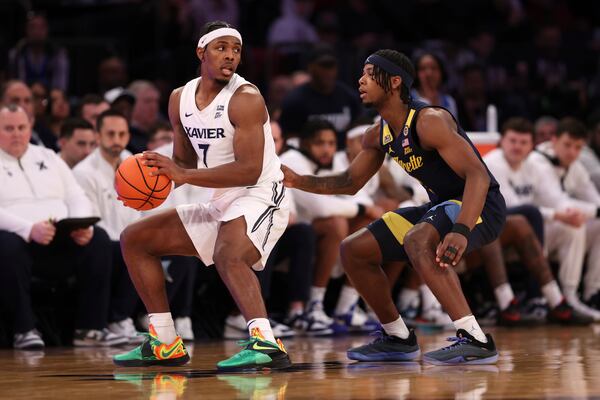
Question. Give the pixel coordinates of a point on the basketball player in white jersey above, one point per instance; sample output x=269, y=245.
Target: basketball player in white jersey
x=222, y=141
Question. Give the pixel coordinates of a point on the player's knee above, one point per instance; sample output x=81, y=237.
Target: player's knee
x=227, y=261
x=416, y=242
x=132, y=236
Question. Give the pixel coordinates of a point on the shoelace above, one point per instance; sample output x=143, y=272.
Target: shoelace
x=457, y=341
x=380, y=336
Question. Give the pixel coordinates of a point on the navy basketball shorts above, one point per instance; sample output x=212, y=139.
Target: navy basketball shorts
x=392, y=227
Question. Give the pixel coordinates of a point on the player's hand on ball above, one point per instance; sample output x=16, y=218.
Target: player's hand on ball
x=164, y=166
x=290, y=178
x=450, y=250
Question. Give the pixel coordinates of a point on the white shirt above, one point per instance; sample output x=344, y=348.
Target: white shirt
x=211, y=132
x=96, y=176
x=37, y=187
x=528, y=184
x=575, y=181
x=310, y=205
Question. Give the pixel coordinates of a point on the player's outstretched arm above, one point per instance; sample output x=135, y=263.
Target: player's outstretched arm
x=363, y=167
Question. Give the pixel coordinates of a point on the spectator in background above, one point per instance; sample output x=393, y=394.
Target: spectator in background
x=590, y=155
x=293, y=25
x=524, y=180
x=122, y=100
x=203, y=11
x=428, y=86
x=59, y=109
x=145, y=114
x=473, y=99
x=40, y=99
x=17, y=92
x=96, y=175
x=544, y=128
x=37, y=58
x=161, y=134
x=112, y=73
x=29, y=244
x=76, y=141
x=90, y=106
x=561, y=156
x=323, y=97
x=279, y=87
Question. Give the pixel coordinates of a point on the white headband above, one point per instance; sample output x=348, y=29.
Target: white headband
x=357, y=131
x=212, y=35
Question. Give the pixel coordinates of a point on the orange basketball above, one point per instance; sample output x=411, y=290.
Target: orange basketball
x=137, y=188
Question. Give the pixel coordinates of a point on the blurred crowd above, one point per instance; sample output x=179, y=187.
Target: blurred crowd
x=85, y=83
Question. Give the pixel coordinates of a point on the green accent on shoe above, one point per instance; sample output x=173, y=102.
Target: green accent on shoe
x=256, y=354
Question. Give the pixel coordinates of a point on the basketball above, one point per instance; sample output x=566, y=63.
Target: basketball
x=137, y=188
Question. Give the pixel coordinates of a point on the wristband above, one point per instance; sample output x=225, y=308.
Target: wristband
x=361, y=210
x=462, y=229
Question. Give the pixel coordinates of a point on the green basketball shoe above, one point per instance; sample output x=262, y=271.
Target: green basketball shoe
x=154, y=352
x=257, y=354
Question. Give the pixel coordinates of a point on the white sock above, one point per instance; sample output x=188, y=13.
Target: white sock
x=264, y=327
x=428, y=299
x=407, y=297
x=469, y=324
x=552, y=293
x=317, y=294
x=504, y=295
x=164, y=326
x=348, y=298
x=396, y=328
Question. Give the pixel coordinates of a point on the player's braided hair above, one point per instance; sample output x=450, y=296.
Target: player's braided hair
x=382, y=77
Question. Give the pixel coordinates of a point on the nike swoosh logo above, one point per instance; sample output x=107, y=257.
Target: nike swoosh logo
x=167, y=354
x=187, y=115
x=256, y=346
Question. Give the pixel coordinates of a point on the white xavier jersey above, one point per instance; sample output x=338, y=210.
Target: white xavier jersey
x=211, y=133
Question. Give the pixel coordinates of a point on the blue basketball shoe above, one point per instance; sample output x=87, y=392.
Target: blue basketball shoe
x=465, y=350
x=387, y=348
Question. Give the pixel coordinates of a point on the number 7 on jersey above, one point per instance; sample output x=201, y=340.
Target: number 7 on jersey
x=204, y=148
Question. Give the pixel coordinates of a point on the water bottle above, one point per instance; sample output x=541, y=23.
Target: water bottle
x=492, y=118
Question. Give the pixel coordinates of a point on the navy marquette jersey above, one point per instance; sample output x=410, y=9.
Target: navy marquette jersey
x=440, y=180
x=445, y=189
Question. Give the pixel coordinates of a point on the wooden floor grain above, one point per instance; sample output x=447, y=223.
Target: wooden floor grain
x=534, y=363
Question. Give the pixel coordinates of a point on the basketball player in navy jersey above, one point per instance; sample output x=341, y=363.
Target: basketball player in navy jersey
x=223, y=141
x=466, y=211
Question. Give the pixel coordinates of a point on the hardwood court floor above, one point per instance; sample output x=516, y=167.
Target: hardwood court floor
x=534, y=363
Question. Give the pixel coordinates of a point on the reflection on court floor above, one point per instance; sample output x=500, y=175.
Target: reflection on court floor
x=541, y=362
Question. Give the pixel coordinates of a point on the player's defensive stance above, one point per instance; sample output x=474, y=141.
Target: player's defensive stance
x=466, y=211
x=223, y=141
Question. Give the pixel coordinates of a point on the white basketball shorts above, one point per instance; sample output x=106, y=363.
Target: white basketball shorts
x=265, y=209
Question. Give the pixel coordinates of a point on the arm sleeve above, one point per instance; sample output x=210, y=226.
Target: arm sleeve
x=323, y=206
x=15, y=224
x=77, y=202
